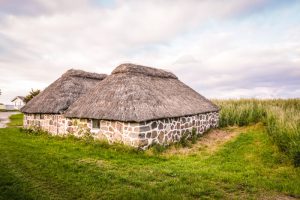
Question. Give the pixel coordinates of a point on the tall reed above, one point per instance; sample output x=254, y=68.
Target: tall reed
x=281, y=117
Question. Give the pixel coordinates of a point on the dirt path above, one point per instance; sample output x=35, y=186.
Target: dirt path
x=209, y=142
x=4, y=118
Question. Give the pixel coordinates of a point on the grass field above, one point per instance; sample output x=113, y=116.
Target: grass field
x=42, y=167
x=15, y=120
x=249, y=165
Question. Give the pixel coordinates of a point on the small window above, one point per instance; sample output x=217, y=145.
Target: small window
x=95, y=124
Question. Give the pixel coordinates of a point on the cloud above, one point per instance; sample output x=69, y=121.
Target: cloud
x=214, y=47
x=36, y=8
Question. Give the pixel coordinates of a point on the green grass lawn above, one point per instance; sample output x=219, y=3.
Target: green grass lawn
x=16, y=120
x=44, y=167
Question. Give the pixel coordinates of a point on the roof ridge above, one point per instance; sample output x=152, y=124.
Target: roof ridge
x=84, y=74
x=63, y=92
x=131, y=68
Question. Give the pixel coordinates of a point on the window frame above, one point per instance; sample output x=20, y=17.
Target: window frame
x=92, y=124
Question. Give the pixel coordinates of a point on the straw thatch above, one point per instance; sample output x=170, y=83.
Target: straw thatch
x=137, y=93
x=57, y=97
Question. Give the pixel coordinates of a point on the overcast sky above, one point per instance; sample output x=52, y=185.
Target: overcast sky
x=222, y=49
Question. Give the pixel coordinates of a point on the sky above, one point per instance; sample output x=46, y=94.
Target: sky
x=222, y=49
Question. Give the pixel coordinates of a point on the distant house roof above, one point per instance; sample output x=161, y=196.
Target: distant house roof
x=18, y=97
x=62, y=93
x=138, y=93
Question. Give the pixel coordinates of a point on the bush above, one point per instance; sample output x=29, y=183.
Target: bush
x=184, y=139
x=157, y=148
x=194, y=136
x=34, y=131
x=297, y=159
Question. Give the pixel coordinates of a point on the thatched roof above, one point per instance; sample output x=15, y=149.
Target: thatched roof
x=58, y=96
x=138, y=93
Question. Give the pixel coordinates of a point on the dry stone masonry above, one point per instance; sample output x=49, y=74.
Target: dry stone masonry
x=54, y=124
x=140, y=135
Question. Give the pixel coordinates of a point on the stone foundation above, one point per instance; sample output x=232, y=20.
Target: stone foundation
x=141, y=135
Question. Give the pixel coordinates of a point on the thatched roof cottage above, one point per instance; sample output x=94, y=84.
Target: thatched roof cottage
x=139, y=106
x=47, y=108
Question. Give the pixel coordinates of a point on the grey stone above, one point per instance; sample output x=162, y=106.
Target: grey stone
x=160, y=126
x=154, y=134
x=142, y=135
x=143, y=123
x=161, y=137
x=143, y=143
x=119, y=126
x=104, y=128
x=154, y=125
x=133, y=135
x=70, y=129
x=144, y=128
x=148, y=135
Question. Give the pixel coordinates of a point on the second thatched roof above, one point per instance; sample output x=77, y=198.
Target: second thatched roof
x=137, y=93
x=63, y=92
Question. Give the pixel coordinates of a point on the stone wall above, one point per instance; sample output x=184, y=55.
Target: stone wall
x=170, y=130
x=57, y=124
x=164, y=131
x=141, y=135
x=52, y=123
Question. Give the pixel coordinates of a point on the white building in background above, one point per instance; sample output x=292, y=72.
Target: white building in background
x=2, y=106
x=18, y=102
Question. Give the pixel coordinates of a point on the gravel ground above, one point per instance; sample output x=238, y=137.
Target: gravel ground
x=4, y=118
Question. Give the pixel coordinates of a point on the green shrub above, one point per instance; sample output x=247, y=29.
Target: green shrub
x=194, y=136
x=34, y=131
x=184, y=142
x=297, y=159
x=157, y=148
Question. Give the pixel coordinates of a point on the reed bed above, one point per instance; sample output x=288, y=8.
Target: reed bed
x=280, y=116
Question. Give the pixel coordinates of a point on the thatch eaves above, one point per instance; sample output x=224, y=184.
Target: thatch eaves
x=137, y=93
x=58, y=96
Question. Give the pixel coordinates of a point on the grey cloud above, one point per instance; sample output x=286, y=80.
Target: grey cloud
x=36, y=8
x=21, y=7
